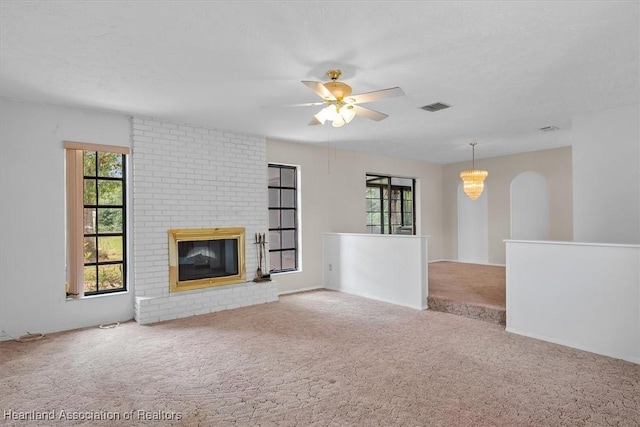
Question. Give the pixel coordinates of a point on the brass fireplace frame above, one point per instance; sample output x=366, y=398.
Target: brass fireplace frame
x=192, y=234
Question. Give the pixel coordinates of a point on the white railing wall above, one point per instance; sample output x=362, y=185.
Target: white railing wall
x=389, y=268
x=581, y=295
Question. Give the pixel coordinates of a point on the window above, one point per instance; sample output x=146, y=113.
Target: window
x=283, y=218
x=96, y=219
x=390, y=205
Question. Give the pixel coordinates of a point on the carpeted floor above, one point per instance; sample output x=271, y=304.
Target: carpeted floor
x=316, y=358
x=471, y=290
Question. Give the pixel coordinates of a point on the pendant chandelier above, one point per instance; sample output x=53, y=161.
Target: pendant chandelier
x=473, y=179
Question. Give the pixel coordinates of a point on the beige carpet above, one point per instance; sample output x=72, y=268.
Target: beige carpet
x=471, y=290
x=317, y=358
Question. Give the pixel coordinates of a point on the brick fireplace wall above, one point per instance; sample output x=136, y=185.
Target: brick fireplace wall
x=193, y=177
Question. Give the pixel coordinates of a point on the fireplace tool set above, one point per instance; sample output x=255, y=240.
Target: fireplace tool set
x=260, y=240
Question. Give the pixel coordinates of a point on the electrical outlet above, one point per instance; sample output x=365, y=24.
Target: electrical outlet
x=330, y=267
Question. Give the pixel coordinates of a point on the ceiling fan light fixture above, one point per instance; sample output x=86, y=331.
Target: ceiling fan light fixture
x=320, y=117
x=337, y=115
x=347, y=113
x=331, y=112
x=338, y=122
x=327, y=113
x=338, y=89
x=473, y=179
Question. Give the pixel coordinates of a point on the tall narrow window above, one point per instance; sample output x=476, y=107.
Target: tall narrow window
x=390, y=205
x=96, y=219
x=283, y=218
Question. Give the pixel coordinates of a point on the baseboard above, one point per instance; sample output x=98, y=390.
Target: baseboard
x=631, y=359
x=468, y=262
x=295, y=291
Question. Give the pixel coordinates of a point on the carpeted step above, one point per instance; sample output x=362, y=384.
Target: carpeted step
x=473, y=311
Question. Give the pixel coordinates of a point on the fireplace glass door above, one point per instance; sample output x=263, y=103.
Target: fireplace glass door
x=203, y=259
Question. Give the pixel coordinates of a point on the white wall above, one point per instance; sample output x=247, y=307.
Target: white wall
x=553, y=164
x=387, y=268
x=473, y=227
x=333, y=199
x=580, y=295
x=32, y=218
x=529, y=207
x=606, y=176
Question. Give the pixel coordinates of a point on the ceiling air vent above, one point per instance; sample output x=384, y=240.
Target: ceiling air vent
x=435, y=107
x=549, y=128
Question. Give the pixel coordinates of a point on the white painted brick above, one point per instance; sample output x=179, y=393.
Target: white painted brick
x=169, y=126
x=221, y=301
x=187, y=176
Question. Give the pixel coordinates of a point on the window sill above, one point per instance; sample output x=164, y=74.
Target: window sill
x=286, y=272
x=87, y=297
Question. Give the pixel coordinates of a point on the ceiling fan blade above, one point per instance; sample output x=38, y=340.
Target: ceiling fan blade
x=308, y=104
x=319, y=88
x=369, y=113
x=375, y=95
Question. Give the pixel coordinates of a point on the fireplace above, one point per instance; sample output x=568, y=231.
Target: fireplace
x=204, y=257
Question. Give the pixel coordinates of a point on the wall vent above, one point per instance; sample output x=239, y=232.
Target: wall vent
x=435, y=107
x=549, y=128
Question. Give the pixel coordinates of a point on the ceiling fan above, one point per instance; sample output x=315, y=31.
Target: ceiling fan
x=341, y=106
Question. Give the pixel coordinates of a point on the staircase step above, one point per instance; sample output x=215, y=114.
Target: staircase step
x=485, y=313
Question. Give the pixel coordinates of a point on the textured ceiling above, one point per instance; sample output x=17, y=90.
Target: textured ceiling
x=506, y=68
